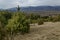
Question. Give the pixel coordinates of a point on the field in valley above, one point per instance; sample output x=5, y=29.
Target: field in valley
x=47, y=31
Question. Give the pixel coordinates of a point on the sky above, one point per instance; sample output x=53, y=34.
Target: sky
x=25, y=3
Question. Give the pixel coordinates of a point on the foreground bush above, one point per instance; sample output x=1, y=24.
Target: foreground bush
x=18, y=23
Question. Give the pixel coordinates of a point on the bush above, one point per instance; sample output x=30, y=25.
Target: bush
x=12, y=23
x=2, y=32
x=55, y=19
x=24, y=27
x=40, y=21
x=33, y=21
x=49, y=19
x=18, y=23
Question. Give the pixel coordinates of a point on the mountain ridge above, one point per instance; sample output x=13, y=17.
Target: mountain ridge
x=37, y=8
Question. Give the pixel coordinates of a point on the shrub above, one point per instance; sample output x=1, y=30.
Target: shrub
x=33, y=21
x=49, y=19
x=18, y=23
x=2, y=32
x=55, y=19
x=40, y=21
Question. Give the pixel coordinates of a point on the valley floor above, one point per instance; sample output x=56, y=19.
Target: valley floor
x=47, y=31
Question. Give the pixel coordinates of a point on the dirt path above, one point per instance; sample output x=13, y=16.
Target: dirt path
x=47, y=31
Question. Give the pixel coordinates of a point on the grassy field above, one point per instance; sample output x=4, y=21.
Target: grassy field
x=47, y=31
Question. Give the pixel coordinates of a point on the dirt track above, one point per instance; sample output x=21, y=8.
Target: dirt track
x=47, y=31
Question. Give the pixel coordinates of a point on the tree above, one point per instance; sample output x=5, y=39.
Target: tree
x=18, y=8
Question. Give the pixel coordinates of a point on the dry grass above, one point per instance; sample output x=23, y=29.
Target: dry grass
x=47, y=31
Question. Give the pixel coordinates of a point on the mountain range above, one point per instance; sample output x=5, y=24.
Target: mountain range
x=37, y=8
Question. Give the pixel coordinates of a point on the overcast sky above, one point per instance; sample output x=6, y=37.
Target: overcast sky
x=24, y=3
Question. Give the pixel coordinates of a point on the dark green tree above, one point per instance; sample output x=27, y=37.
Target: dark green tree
x=18, y=8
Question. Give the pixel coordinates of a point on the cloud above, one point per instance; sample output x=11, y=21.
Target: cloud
x=23, y=3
